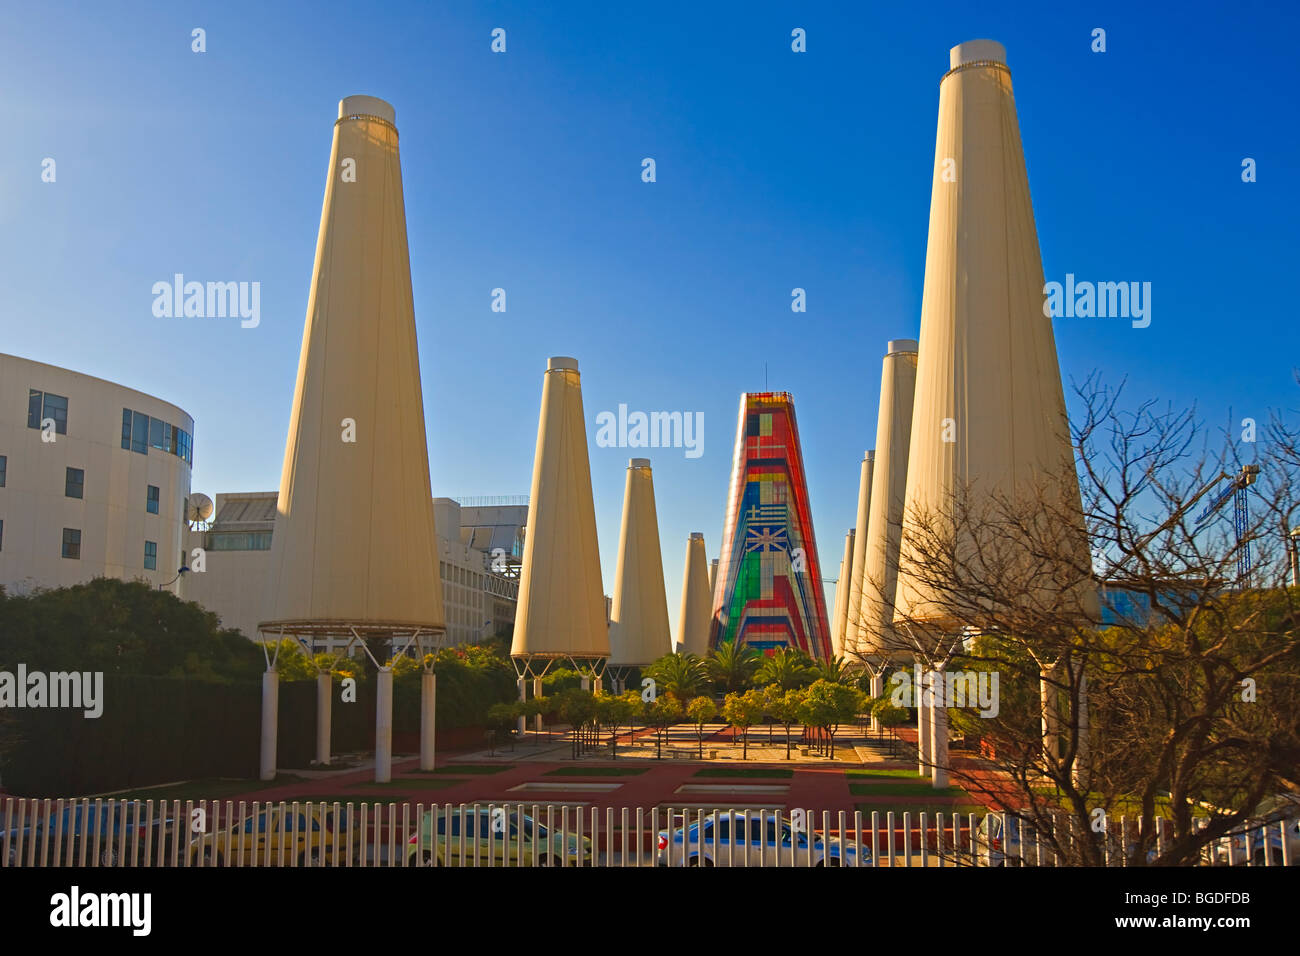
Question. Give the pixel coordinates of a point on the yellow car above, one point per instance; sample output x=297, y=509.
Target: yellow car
x=256, y=840
x=511, y=839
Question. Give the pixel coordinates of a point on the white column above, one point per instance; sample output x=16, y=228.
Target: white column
x=270, y=721
x=428, y=718
x=600, y=683
x=922, y=721
x=939, y=732
x=1051, y=719
x=324, y=691
x=523, y=696
x=1081, y=756
x=537, y=692
x=586, y=682
x=877, y=688
x=384, y=725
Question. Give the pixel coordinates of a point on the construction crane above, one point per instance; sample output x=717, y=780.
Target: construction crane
x=1236, y=490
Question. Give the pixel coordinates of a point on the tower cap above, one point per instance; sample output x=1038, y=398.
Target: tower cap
x=901, y=345
x=561, y=362
x=697, y=535
x=638, y=462
x=372, y=105
x=973, y=50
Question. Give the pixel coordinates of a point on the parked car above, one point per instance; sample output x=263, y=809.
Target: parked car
x=768, y=834
x=256, y=839
x=511, y=839
x=992, y=844
x=118, y=830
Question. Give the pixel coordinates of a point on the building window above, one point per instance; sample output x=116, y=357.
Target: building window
x=2, y=534
x=72, y=543
x=74, y=483
x=43, y=405
x=151, y=500
x=151, y=555
x=126, y=428
x=4, y=468
x=239, y=541
x=140, y=433
x=156, y=434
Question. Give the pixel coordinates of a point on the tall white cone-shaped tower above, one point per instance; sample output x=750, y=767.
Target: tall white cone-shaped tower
x=884, y=521
x=638, y=630
x=697, y=599
x=561, y=609
x=354, y=540
x=989, y=419
x=843, y=585
x=850, y=633
x=989, y=432
x=354, y=552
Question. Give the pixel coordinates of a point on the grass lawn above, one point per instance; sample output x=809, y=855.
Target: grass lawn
x=212, y=788
x=892, y=789
x=465, y=769
x=743, y=772
x=886, y=772
x=596, y=772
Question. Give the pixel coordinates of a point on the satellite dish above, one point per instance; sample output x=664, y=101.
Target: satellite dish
x=198, y=507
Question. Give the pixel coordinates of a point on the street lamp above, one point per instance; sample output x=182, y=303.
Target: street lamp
x=182, y=570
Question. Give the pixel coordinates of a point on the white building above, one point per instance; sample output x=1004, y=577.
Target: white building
x=94, y=478
x=237, y=550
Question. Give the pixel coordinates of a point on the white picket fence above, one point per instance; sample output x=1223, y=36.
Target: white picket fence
x=99, y=832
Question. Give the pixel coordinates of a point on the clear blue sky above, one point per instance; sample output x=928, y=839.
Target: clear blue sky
x=522, y=171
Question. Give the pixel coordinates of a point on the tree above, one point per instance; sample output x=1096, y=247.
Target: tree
x=577, y=708
x=787, y=668
x=1184, y=703
x=786, y=707
x=742, y=711
x=661, y=713
x=681, y=675
x=614, y=711
x=701, y=710
x=836, y=670
x=827, y=705
x=731, y=667
x=500, y=719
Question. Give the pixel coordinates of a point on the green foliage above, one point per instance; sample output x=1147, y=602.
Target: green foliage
x=887, y=715
x=836, y=670
x=731, y=667
x=681, y=675
x=788, y=668
x=701, y=710
x=122, y=627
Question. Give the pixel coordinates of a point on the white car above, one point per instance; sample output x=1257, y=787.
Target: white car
x=759, y=835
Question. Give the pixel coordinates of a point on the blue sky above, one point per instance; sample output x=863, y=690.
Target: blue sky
x=775, y=170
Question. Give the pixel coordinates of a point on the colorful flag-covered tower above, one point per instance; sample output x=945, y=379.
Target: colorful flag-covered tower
x=768, y=592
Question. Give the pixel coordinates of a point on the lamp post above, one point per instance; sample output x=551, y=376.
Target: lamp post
x=182, y=570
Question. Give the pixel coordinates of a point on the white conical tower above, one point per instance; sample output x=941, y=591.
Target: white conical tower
x=850, y=633
x=638, y=630
x=354, y=540
x=354, y=551
x=697, y=599
x=561, y=609
x=989, y=418
x=843, y=585
x=884, y=521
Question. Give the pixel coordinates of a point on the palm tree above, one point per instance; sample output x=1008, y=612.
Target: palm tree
x=731, y=667
x=836, y=670
x=789, y=668
x=681, y=675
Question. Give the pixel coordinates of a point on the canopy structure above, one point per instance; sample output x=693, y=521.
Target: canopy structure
x=638, y=627
x=989, y=421
x=697, y=599
x=561, y=611
x=354, y=545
